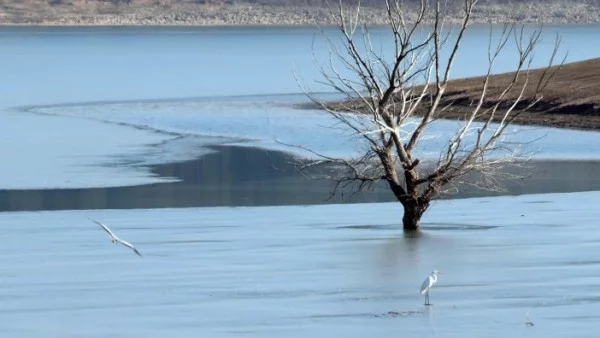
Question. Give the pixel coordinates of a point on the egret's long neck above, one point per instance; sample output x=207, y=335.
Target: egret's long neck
x=434, y=277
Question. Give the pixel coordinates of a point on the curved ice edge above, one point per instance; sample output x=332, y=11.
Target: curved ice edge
x=301, y=97
x=289, y=100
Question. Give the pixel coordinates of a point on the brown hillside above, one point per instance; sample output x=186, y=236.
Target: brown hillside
x=571, y=99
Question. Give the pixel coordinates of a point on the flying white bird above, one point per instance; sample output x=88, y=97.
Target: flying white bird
x=115, y=239
x=428, y=283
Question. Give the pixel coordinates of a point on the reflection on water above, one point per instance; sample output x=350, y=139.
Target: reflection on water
x=232, y=176
x=243, y=176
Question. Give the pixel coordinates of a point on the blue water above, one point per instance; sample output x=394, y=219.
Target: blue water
x=322, y=271
x=59, y=65
x=84, y=71
x=94, y=67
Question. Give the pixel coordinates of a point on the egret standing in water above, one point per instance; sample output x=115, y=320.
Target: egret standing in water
x=428, y=283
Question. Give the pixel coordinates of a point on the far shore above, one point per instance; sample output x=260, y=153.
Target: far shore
x=173, y=13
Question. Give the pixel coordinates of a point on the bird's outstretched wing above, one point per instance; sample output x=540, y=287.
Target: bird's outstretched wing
x=108, y=231
x=114, y=237
x=129, y=245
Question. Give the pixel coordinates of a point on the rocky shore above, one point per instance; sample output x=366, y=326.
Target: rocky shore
x=203, y=13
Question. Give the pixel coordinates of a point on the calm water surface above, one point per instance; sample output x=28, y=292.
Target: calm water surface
x=323, y=271
x=61, y=65
x=286, y=271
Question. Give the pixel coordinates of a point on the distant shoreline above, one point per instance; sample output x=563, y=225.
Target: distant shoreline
x=225, y=26
x=98, y=14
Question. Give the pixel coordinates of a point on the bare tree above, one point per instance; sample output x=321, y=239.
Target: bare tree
x=392, y=100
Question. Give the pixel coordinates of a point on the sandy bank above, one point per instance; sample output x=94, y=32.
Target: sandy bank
x=571, y=100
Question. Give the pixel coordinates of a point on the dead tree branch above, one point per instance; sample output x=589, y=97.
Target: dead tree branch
x=394, y=94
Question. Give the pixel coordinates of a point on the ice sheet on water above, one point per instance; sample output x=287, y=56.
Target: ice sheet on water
x=275, y=122
x=305, y=271
x=257, y=121
x=42, y=151
x=87, y=152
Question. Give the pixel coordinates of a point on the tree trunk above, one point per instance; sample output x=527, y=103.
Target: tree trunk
x=411, y=221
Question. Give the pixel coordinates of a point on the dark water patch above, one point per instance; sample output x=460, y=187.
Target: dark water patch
x=583, y=262
x=456, y=226
x=546, y=176
x=231, y=176
x=541, y=265
x=186, y=241
x=461, y=285
x=567, y=301
x=395, y=314
x=542, y=301
x=343, y=315
x=517, y=244
x=543, y=225
x=589, y=317
x=244, y=176
x=370, y=227
x=517, y=298
x=184, y=227
x=389, y=314
x=371, y=239
x=179, y=227
x=78, y=308
x=277, y=294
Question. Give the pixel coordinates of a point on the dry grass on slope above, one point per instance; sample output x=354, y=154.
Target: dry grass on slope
x=570, y=100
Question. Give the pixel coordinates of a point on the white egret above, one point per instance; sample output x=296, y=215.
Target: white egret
x=528, y=321
x=115, y=239
x=428, y=283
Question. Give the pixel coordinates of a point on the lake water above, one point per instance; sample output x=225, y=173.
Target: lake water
x=64, y=65
x=134, y=76
x=156, y=118
x=323, y=271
